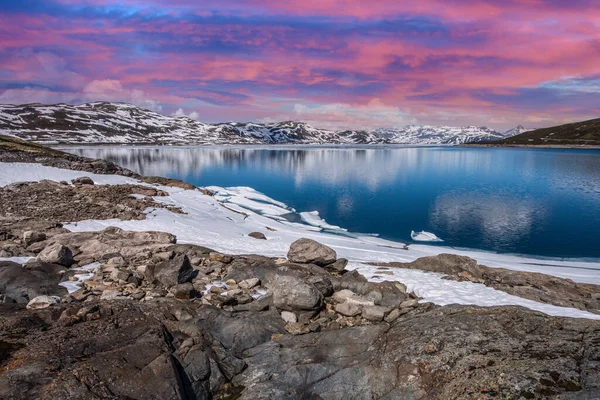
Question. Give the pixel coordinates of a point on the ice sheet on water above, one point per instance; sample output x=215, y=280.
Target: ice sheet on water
x=313, y=218
x=250, y=199
x=424, y=237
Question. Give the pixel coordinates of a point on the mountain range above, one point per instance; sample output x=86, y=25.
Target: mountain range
x=119, y=123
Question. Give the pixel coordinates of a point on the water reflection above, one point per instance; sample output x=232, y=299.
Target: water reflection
x=540, y=202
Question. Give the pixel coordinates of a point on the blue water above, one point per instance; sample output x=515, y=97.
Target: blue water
x=542, y=202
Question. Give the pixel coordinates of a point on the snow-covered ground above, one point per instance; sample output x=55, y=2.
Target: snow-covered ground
x=223, y=222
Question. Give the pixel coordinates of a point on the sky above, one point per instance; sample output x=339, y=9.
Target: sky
x=338, y=64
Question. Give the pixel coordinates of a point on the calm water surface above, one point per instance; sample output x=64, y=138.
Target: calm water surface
x=525, y=201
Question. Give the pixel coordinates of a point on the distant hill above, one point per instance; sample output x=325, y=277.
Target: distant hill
x=118, y=123
x=586, y=133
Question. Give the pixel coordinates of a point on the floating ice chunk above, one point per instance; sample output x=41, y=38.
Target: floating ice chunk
x=313, y=218
x=85, y=273
x=424, y=237
x=250, y=199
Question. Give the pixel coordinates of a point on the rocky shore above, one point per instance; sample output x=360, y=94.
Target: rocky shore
x=146, y=317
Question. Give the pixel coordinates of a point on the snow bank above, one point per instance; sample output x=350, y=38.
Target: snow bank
x=424, y=237
x=432, y=288
x=209, y=224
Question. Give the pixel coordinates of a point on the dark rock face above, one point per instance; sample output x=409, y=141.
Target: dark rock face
x=452, y=352
x=172, y=272
x=144, y=352
x=308, y=251
x=21, y=284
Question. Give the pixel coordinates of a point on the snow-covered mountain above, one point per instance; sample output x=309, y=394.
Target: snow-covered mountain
x=515, y=131
x=118, y=123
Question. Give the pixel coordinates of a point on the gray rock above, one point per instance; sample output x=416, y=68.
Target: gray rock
x=30, y=237
x=409, y=303
x=257, y=235
x=84, y=180
x=249, y=283
x=112, y=294
x=339, y=265
x=393, y=315
x=293, y=293
x=375, y=313
x=289, y=316
x=347, y=309
x=171, y=272
x=57, y=254
x=40, y=302
x=308, y=251
x=183, y=290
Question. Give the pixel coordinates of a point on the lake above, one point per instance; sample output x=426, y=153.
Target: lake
x=542, y=202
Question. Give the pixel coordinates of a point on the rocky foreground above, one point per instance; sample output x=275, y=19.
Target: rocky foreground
x=162, y=320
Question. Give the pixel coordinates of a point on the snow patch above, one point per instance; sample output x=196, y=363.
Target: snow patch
x=85, y=273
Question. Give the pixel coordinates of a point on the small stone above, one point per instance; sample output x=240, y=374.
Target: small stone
x=84, y=180
x=334, y=326
x=314, y=327
x=230, y=282
x=244, y=299
x=233, y=292
x=339, y=265
x=296, y=329
x=57, y=254
x=400, y=286
x=393, y=315
x=216, y=290
x=182, y=315
x=40, y=302
x=289, y=317
x=409, y=303
x=249, y=283
x=30, y=237
x=80, y=294
x=257, y=235
x=347, y=309
x=375, y=296
x=116, y=262
x=196, y=261
x=342, y=295
x=375, y=313
x=183, y=291
x=120, y=275
x=138, y=295
x=225, y=259
x=111, y=295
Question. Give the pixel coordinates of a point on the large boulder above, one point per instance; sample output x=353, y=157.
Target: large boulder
x=292, y=292
x=308, y=251
x=57, y=254
x=171, y=272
